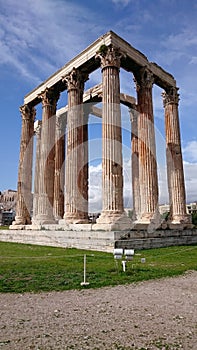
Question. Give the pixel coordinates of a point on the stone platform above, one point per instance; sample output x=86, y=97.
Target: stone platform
x=100, y=240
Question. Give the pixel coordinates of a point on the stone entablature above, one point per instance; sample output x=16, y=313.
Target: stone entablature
x=133, y=59
x=110, y=53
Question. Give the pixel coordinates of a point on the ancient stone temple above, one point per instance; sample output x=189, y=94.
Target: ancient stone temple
x=61, y=165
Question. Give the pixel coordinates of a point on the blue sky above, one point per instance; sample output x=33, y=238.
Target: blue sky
x=37, y=37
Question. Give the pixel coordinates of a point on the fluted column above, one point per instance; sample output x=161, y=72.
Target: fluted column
x=25, y=167
x=59, y=167
x=76, y=185
x=135, y=163
x=175, y=174
x=85, y=169
x=47, y=157
x=112, y=172
x=148, y=179
x=37, y=132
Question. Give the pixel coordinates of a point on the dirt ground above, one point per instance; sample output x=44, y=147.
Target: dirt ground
x=159, y=314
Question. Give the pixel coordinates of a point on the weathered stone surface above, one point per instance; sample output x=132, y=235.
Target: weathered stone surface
x=55, y=209
x=176, y=185
x=148, y=180
x=37, y=132
x=99, y=240
x=76, y=186
x=112, y=180
x=59, y=176
x=47, y=157
x=25, y=166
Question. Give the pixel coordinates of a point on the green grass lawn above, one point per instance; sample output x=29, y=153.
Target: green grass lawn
x=31, y=268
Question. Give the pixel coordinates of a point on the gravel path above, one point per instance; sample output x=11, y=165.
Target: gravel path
x=159, y=314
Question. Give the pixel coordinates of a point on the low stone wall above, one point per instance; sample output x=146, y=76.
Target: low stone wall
x=101, y=240
x=98, y=240
x=157, y=239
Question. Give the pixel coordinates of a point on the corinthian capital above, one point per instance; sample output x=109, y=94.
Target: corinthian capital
x=28, y=112
x=49, y=97
x=109, y=56
x=170, y=96
x=75, y=80
x=144, y=79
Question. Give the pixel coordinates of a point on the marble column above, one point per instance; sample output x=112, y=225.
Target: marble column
x=175, y=174
x=148, y=180
x=59, y=179
x=24, y=187
x=76, y=185
x=85, y=170
x=47, y=157
x=135, y=163
x=112, y=169
x=37, y=132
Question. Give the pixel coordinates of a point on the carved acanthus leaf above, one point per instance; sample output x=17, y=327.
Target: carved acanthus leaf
x=109, y=56
x=49, y=97
x=170, y=96
x=144, y=79
x=75, y=80
x=28, y=112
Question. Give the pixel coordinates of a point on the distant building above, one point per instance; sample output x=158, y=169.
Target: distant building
x=192, y=208
x=164, y=208
x=8, y=199
x=7, y=217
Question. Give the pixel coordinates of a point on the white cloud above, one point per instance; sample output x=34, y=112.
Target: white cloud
x=185, y=39
x=190, y=151
x=41, y=36
x=193, y=60
x=121, y=2
x=181, y=45
x=95, y=188
x=190, y=171
x=95, y=185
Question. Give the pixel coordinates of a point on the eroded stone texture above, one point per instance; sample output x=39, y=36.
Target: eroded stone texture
x=59, y=176
x=76, y=194
x=135, y=163
x=112, y=177
x=175, y=173
x=47, y=157
x=25, y=166
x=37, y=132
x=111, y=52
x=146, y=147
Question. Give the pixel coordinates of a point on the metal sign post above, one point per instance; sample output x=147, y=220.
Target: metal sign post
x=84, y=283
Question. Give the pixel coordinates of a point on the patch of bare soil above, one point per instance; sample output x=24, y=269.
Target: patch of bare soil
x=159, y=314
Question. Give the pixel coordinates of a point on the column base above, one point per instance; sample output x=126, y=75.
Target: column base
x=180, y=222
x=21, y=220
x=16, y=226
x=43, y=219
x=58, y=219
x=109, y=220
x=74, y=219
x=148, y=221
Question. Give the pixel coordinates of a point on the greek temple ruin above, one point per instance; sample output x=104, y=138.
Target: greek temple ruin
x=60, y=189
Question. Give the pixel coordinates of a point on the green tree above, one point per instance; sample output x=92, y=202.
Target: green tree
x=194, y=219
